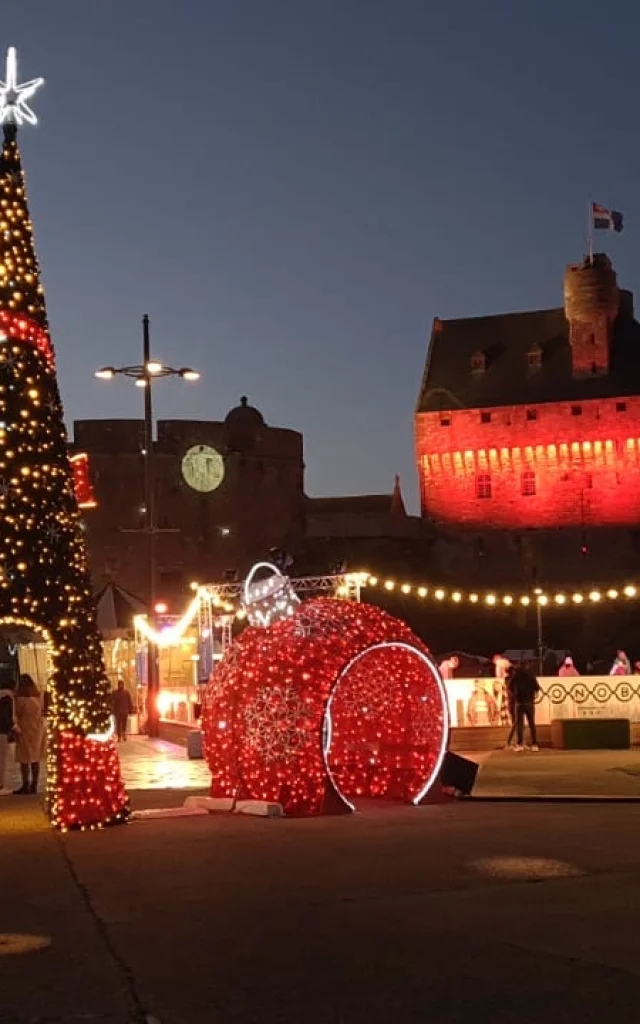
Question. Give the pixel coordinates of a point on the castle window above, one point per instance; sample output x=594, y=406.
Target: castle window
x=485, y=417
x=621, y=406
x=576, y=410
x=528, y=483
x=483, y=485
x=532, y=414
x=478, y=362
x=445, y=421
x=534, y=357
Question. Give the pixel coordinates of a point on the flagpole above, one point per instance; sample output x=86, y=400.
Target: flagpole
x=590, y=232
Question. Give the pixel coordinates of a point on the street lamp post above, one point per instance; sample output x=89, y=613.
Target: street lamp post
x=144, y=374
x=539, y=639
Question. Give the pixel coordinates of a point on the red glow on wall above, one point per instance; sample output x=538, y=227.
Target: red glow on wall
x=520, y=467
x=82, y=481
x=338, y=702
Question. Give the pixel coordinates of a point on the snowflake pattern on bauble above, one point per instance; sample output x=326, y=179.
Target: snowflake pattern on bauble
x=367, y=698
x=275, y=724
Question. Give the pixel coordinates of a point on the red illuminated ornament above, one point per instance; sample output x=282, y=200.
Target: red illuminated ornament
x=337, y=703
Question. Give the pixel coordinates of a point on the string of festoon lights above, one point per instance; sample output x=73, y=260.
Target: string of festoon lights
x=493, y=598
x=264, y=598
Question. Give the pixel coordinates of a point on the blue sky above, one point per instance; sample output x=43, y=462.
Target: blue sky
x=293, y=189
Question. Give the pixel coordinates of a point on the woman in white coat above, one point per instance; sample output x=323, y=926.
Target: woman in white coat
x=30, y=733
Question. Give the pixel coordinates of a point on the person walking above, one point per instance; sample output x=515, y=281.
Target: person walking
x=525, y=688
x=7, y=730
x=122, y=708
x=29, y=734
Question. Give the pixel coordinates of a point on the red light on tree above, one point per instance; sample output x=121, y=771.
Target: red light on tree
x=82, y=481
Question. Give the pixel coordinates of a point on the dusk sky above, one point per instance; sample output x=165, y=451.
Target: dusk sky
x=293, y=189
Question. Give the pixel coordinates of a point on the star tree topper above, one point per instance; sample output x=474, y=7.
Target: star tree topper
x=14, y=108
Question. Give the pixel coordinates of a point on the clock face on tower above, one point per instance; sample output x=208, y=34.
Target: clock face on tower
x=203, y=468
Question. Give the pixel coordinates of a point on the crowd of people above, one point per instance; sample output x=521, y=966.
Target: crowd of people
x=511, y=700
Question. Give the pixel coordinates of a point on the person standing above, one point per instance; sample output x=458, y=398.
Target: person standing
x=30, y=734
x=511, y=705
x=122, y=708
x=568, y=668
x=448, y=666
x=7, y=728
x=525, y=688
x=621, y=665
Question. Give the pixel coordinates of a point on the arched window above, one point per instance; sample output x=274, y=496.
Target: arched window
x=528, y=483
x=483, y=485
x=478, y=362
x=534, y=357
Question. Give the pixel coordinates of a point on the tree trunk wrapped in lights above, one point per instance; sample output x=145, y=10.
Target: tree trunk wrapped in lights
x=44, y=578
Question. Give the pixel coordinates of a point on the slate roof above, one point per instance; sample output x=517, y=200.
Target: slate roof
x=357, y=504
x=450, y=383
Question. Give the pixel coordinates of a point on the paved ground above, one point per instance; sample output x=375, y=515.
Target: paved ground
x=453, y=913
x=559, y=773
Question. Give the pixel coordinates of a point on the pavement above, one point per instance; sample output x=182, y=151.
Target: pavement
x=558, y=774
x=456, y=913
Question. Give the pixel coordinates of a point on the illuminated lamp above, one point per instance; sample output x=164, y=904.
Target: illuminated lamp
x=456, y=596
x=161, y=607
x=612, y=594
x=507, y=599
x=595, y=595
x=422, y=591
x=389, y=585
x=337, y=703
x=405, y=588
x=164, y=700
x=543, y=599
x=630, y=591
x=439, y=595
x=577, y=598
x=473, y=598
x=560, y=599
x=525, y=600
x=372, y=581
x=490, y=599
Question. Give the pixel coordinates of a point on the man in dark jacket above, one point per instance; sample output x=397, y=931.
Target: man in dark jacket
x=524, y=688
x=7, y=725
x=122, y=707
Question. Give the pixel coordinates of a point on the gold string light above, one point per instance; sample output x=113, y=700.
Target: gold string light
x=492, y=598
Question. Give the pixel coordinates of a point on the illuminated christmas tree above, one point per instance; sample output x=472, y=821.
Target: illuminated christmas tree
x=44, y=578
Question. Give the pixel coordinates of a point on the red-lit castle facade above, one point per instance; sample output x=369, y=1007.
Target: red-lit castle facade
x=528, y=436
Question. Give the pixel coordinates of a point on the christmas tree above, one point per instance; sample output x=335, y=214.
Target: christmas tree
x=44, y=578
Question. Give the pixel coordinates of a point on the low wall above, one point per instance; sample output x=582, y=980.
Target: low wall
x=479, y=719
x=480, y=702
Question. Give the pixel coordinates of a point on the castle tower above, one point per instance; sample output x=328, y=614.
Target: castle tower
x=44, y=580
x=591, y=302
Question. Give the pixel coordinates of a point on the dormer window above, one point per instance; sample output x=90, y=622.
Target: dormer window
x=534, y=357
x=478, y=362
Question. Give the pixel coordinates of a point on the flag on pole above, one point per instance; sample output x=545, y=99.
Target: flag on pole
x=609, y=220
